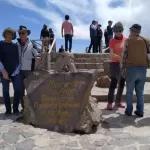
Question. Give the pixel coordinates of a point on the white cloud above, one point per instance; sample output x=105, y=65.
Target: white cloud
x=29, y=19
x=82, y=12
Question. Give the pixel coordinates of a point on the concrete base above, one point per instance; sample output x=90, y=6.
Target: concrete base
x=102, y=93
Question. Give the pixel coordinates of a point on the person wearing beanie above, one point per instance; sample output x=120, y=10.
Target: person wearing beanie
x=9, y=70
x=135, y=62
x=116, y=47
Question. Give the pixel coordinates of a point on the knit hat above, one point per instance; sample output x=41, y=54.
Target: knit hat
x=136, y=28
x=11, y=31
x=118, y=27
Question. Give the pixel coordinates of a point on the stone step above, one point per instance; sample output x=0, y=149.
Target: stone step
x=102, y=93
x=90, y=60
x=91, y=55
x=84, y=65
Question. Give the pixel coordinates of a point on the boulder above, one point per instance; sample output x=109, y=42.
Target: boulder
x=61, y=101
x=90, y=117
x=103, y=82
x=65, y=62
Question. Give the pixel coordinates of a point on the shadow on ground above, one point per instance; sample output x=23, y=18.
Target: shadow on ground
x=117, y=119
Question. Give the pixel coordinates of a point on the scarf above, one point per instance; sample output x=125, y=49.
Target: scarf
x=118, y=38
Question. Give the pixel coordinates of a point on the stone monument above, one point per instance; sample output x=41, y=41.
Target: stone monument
x=61, y=101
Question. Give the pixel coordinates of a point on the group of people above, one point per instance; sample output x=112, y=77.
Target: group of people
x=17, y=60
x=47, y=37
x=129, y=60
x=96, y=35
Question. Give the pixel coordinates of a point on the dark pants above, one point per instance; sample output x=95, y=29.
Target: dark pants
x=99, y=44
x=135, y=79
x=16, y=85
x=23, y=75
x=106, y=43
x=116, y=78
x=93, y=43
x=68, y=38
x=109, y=38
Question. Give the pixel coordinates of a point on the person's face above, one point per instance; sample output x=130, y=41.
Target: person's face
x=8, y=36
x=23, y=34
x=131, y=32
x=118, y=33
x=110, y=23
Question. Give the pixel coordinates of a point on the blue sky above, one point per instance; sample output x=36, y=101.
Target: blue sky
x=35, y=13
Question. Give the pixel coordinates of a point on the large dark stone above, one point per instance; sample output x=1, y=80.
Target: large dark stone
x=57, y=101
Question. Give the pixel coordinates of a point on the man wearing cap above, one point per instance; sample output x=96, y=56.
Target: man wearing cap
x=134, y=60
x=27, y=51
x=110, y=30
x=10, y=68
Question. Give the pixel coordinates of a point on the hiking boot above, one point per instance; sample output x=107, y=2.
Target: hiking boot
x=109, y=106
x=138, y=114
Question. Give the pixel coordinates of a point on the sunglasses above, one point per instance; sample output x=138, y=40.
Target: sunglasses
x=21, y=33
x=116, y=31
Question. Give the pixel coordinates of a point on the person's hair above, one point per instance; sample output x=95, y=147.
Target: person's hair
x=118, y=26
x=50, y=28
x=67, y=17
x=44, y=26
x=93, y=21
x=11, y=31
x=109, y=21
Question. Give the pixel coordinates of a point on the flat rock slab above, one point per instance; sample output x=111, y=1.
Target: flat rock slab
x=58, y=99
x=102, y=93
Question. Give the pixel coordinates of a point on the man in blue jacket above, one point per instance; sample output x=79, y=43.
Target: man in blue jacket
x=93, y=36
x=10, y=68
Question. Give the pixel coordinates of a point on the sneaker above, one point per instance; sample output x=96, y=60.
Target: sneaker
x=138, y=114
x=7, y=113
x=121, y=105
x=16, y=113
x=109, y=106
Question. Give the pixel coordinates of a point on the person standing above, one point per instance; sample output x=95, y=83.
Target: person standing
x=116, y=47
x=110, y=30
x=93, y=36
x=44, y=36
x=135, y=61
x=27, y=52
x=61, y=49
x=51, y=35
x=106, y=38
x=10, y=68
x=99, y=38
x=67, y=31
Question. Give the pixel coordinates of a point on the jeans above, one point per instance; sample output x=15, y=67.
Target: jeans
x=135, y=78
x=23, y=75
x=94, y=44
x=68, y=38
x=16, y=85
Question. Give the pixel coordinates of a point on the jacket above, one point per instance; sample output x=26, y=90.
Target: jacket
x=26, y=54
